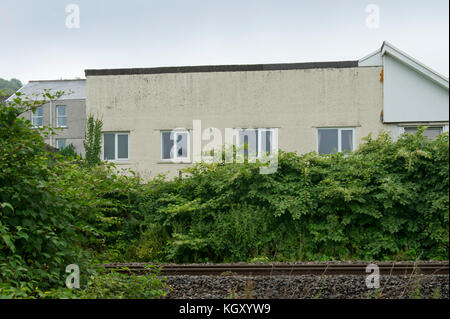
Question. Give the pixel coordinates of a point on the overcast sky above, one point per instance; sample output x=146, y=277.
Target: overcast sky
x=35, y=42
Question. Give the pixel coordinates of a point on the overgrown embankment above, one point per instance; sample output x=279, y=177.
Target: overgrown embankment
x=386, y=201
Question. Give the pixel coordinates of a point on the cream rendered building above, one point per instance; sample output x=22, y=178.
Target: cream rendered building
x=323, y=107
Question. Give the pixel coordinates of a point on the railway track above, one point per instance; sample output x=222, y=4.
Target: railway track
x=294, y=269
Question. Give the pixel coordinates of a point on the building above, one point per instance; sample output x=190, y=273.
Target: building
x=149, y=113
x=66, y=115
x=413, y=94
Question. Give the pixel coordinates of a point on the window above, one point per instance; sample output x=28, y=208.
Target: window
x=37, y=117
x=60, y=143
x=259, y=141
x=61, y=116
x=332, y=140
x=430, y=132
x=248, y=139
x=267, y=142
x=115, y=146
x=175, y=146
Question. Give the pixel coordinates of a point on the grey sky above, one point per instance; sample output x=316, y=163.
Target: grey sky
x=35, y=43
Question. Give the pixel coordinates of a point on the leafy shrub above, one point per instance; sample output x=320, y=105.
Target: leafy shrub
x=36, y=233
x=118, y=284
x=100, y=201
x=149, y=246
x=69, y=151
x=54, y=212
x=92, y=142
x=387, y=200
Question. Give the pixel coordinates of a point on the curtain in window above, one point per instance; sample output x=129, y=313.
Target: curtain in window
x=328, y=141
x=347, y=140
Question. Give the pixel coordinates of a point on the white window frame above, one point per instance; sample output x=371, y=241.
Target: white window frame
x=339, y=137
x=116, y=147
x=442, y=127
x=37, y=116
x=272, y=131
x=176, y=159
x=259, y=131
x=240, y=143
x=59, y=116
x=445, y=129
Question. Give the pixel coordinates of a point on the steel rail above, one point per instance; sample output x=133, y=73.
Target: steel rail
x=385, y=268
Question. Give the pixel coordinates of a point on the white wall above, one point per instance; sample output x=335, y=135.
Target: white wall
x=295, y=101
x=410, y=96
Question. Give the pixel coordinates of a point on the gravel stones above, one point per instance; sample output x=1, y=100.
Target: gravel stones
x=306, y=286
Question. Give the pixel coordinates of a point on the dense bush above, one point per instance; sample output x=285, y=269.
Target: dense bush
x=54, y=212
x=118, y=284
x=387, y=200
x=36, y=233
x=69, y=151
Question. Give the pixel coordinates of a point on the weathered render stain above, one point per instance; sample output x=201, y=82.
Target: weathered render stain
x=295, y=101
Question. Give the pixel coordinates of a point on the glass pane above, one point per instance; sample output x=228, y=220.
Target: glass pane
x=248, y=139
x=433, y=132
x=60, y=143
x=266, y=141
x=167, y=144
x=61, y=121
x=37, y=117
x=37, y=121
x=411, y=130
x=39, y=111
x=328, y=141
x=346, y=141
x=61, y=111
x=109, y=147
x=182, y=142
x=122, y=146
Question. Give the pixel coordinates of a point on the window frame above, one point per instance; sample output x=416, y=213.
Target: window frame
x=116, y=147
x=259, y=131
x=340, y=129
x=33, y=116
x=58, y=116
x=176, y=159
x=240, y=143
x=403, y=127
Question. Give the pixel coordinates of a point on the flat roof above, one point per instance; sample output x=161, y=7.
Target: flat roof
x=224, y=68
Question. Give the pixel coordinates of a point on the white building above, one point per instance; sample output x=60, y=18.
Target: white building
x=413, y=94
x=323, y=106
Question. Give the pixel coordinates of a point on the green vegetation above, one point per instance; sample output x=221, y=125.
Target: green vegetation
x=8, y=88
x=46, y=225
x=36, y=229
x=115, y=285
x=69, y=151
x=92, y=142
x=386, y=201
